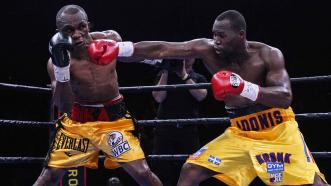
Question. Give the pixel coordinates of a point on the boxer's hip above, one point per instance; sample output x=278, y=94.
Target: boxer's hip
x=109, y=110
x=263, y=120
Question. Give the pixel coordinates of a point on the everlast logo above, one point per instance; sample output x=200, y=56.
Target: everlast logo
x=273, y=157
x=66, y=142
x=260, y=122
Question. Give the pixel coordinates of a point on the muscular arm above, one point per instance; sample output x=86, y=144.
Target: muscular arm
x=161, y=49
x=277, y=92
x=62, y=92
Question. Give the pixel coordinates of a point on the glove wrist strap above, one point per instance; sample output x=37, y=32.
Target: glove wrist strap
x=62, y=74
x=125, y=49
x=250, y=91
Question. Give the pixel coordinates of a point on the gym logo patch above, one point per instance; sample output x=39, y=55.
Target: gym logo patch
x=214, y=160
x=198, y=153
x=275, y=170
x=279, y=157
x=117, y=145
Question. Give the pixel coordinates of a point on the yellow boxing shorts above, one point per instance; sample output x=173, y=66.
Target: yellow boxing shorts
x=267, y=144
x=78, y=140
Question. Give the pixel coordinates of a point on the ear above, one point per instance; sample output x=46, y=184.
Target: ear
x=242, y=34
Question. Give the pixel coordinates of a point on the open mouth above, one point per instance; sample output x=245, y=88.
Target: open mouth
x=218, y=50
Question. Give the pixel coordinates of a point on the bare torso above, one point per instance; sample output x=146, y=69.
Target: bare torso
x=91, y=82
x=252, y=69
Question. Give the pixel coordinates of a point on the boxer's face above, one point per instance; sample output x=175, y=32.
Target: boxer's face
x=226, y=40
x=75, y=26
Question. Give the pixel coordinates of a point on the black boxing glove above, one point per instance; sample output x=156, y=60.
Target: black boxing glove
x=59, y=46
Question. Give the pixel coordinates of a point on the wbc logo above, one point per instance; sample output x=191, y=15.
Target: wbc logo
x=117, y=144
x=115, y=138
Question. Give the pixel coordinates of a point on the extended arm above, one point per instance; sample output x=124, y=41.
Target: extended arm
x=161, y=49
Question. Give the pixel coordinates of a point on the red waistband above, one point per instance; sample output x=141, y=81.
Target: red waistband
x=104, y=111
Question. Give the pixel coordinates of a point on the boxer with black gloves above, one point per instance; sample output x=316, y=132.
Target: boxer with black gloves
x=59, y=47
x=82, y=69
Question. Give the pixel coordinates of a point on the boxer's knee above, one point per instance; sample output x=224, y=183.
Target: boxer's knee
x=189, y=169
x=192, y=174
x=144, y=173
x=49, y=176
x=140, y=171
x=138, y=168
x=318, y=181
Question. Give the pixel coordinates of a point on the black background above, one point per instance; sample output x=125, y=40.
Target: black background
x=299, y=28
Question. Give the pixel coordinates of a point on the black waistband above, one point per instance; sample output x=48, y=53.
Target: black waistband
x=237, y=112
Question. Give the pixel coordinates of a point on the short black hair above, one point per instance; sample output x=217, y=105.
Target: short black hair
x=236, y=19
x=71, y=10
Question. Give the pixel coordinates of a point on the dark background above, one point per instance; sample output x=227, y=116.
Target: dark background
x=299, y=28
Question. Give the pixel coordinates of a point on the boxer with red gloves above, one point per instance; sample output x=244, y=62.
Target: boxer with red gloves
x=262, y=121
x=226, y=83
x=104, y=51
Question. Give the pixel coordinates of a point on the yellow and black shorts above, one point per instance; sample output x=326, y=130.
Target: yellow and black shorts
x=79, y=139
x=267, y=144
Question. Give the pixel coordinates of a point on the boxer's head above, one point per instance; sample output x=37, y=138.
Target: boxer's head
x=72, y=21
x=229, y=33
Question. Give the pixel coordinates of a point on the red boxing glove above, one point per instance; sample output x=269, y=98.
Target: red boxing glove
x=226, y=83
x=102, y=52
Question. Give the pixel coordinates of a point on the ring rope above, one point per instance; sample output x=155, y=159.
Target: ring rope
x=184, y=156
x=326, y=78
x=18, y=160
x=224, y=120
x=6, y=122
x=25, y=87
x=193, y=121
